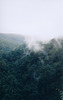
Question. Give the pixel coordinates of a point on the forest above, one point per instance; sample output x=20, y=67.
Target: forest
x=29, y=75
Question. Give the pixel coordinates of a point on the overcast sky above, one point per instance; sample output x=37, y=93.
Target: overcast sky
x=42, y=19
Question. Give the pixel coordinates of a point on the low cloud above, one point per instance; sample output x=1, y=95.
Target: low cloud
x=38, y=45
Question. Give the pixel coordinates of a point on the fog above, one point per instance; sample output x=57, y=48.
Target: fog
x=36, y=19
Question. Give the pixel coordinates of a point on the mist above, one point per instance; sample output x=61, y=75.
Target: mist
x=38, y=20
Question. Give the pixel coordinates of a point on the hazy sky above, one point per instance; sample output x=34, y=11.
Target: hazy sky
x=42, y=19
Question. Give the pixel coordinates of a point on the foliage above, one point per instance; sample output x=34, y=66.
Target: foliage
x=29, y=75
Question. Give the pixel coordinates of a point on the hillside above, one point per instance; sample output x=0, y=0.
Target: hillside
x=29, y=75
x=9, y=42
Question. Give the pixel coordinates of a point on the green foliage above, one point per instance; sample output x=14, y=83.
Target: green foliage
x=28, y=75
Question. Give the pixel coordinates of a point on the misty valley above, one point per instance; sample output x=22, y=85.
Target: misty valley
x=30, y=74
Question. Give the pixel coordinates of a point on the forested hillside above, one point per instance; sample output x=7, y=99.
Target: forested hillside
x=29, y=75
x=9, y=42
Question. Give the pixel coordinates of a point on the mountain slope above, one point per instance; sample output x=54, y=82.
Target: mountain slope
x=9, y=42
x=29, y=75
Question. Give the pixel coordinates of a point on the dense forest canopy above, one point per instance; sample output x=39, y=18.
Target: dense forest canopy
x=29, y=75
